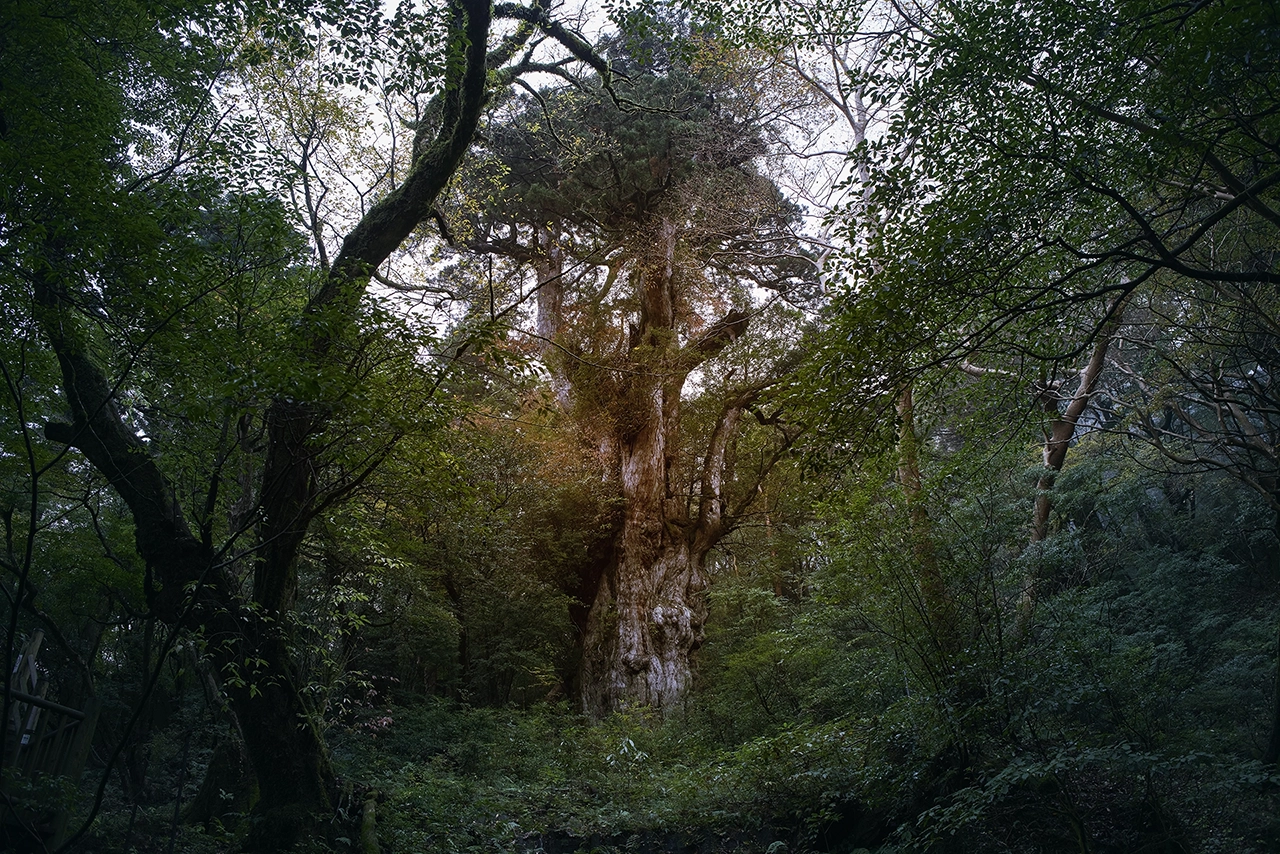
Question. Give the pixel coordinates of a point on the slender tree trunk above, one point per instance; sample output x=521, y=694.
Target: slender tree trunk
x=549, y=266
x=933, y=591
x=1062, y=428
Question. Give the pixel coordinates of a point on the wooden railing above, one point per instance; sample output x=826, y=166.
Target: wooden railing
x=44, y=742
x=57, y=743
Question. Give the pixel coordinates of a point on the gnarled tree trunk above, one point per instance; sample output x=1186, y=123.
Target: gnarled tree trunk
x=648, y=613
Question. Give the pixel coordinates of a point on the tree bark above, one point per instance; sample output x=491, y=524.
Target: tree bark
x=1062, y=428
x=648, y=613
x=549, y=266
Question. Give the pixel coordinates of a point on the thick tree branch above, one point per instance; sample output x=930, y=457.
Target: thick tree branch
x=538, y=16
x=723, y=332
x=163, y=538
x=711, y=509
x=289, y=478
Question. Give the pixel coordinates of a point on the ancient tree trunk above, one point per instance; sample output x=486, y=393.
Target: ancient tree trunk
x=648, y=613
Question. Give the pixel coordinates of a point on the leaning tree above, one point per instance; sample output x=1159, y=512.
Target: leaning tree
x=131, y=256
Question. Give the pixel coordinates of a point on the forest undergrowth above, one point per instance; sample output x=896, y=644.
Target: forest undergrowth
x=831, y=716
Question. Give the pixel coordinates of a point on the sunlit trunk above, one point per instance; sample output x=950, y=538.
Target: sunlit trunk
x=1062, y=427
x=1061, y=430
x=647, y=615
